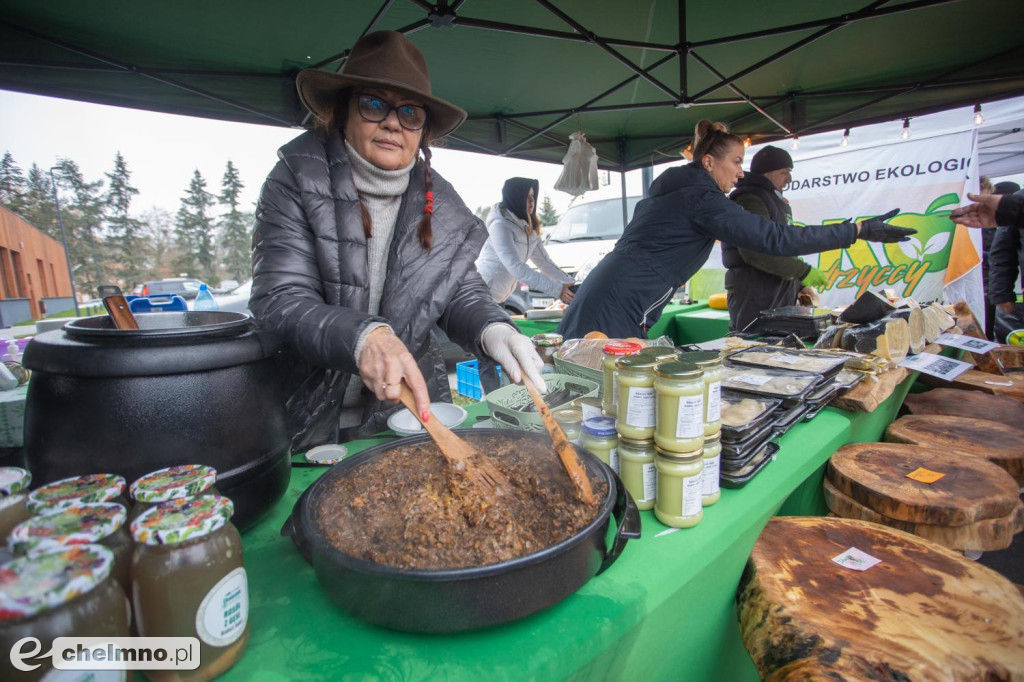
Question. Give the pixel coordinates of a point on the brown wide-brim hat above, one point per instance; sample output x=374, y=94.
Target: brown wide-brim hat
x=386, y=59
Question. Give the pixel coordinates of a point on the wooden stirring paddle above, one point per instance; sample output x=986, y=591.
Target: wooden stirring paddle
x=566, y=452
x=117, y=307
x=463, y=457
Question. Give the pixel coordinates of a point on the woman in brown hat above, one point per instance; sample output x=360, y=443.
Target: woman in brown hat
x=360, y=249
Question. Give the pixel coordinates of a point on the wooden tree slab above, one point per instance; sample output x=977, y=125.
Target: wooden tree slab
x=923, y=613
x=966, y=321
x=957, y=403
x=875, y=475
x=998, y=443
x=869, y=393
x=984, y=536
x=1010, y=385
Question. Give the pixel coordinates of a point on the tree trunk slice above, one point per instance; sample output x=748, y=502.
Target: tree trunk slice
x=956, y=403
x=966, y=320
x=998, y=443
x=924, y=613
x=869, y=393
x=1008, y=357
x=875, y=475
x=988, y=535
x=1009, y=386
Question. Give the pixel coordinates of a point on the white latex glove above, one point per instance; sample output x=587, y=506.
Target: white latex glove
x=515, y=353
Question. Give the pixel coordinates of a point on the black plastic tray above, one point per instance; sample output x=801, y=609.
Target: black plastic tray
x=729, y=481
x=787, y=400
x=745, y=448
x=837, y=361
x=792, y=416
x=846, y=385
x=735, y=434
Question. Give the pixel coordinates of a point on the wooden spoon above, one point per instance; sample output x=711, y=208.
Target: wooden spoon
x=463, y=457
x=566, y=452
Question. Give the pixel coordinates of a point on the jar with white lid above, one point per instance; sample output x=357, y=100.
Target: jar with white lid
x=680, y=400
x=599, y=436
x=637, y=471
x=680, y=488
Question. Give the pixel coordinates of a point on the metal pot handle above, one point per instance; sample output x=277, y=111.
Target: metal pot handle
x=628, y=516
x=293, y=528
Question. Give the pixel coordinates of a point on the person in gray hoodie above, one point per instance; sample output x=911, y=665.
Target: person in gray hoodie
x=513, y=230
x=672, y=233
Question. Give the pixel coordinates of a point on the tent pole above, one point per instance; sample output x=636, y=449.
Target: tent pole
x=646, y=178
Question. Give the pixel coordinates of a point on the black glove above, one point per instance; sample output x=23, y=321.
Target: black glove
x=877, y=230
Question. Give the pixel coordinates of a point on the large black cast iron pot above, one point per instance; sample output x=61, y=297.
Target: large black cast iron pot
x=186, y=387
x=467, y=598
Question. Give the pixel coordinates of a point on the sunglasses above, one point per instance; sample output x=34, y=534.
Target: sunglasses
x=375, y=110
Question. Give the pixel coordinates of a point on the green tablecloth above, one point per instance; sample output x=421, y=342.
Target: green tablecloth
x=664, y=610
x=699, y=325
x=664, y=325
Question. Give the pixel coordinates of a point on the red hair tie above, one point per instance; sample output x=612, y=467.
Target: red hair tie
x=430, y=203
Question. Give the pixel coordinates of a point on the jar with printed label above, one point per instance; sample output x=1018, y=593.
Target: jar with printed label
x=612, y=352
x=636, y=405
x=680, y=489
x=64, y=592
x=588, y=407
x=171, y=483
x=571, y=422
x=188, y=580
x=711, y=363
x=68, y=492
x=14, y=483
x=637, y=471
x=546, y=346
x=599, y=436
x=102, y=523
x=712, y=462
x=680, y=390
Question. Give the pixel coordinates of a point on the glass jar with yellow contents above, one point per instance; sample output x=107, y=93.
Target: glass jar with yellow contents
x=612, y=352
x=711, y=363
x=571, y=421
x=634, y=376
x=14, y=483
x=710, y=478
x=680, y=488
x=600, y=438
x=680, y=390
x=637, y=471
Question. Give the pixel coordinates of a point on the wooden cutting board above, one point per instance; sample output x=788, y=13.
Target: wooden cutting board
x=923, y=613
x=1010, y=385
x=984, y=536
x=875, y=475
x=998, y=443
x=957, y=403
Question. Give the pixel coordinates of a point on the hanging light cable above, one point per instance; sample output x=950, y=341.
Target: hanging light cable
x=979, y=118
x=845, y=142
x=796, y=142
x=905, y=135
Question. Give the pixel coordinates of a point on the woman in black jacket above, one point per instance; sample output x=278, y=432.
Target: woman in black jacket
x=672, y=233
x=360, y=249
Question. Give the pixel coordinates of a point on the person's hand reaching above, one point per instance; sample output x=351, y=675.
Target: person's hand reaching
x=982, y=213
x=814, y=278
x=877, y=230
x=384, y=362
x=567, y=294
x=515, y=353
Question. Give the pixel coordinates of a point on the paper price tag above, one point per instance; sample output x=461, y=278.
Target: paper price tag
x=856, y=560
x=968, y=343
x=787, y=359
x=752, y=379
x=925, y=475
x=936, y=365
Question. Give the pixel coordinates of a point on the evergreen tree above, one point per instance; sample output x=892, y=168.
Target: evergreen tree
x=83, y=221
x=193, y=232
x=124, y=232
x=38, y=207
x=235, y=228
x=12, y=184
x=547, y=214
x=157, y=225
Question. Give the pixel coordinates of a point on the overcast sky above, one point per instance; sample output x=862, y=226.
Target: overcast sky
x=163, y=150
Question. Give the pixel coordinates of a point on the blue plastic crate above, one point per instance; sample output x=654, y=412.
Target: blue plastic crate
x=467, y=379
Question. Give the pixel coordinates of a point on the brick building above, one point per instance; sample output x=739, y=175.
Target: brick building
x=33, y=270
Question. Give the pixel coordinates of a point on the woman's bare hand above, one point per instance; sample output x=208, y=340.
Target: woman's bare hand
x=567, y=294
x=385, y=362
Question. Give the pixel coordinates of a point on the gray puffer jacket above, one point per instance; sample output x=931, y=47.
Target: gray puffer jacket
x=311, y=284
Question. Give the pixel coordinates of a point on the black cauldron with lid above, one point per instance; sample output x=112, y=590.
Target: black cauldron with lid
x=185, y=388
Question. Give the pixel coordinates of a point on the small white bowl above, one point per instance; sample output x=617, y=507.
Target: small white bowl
x=405, y=424
x=326, y=454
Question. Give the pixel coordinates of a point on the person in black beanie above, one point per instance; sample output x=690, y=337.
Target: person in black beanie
x=1005, y=257
x=756, y=281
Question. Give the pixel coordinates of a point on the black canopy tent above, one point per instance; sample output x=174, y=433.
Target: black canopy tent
x=634, y=75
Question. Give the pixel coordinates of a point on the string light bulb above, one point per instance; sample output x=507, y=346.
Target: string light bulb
x=687, y=152
x=796, y=142
x=905, y=135
x=979, y=118
x=746, y=142
x=845, y=142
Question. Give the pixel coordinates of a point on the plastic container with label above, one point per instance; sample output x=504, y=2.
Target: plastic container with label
x=188, y=580
x=680, y=488
x=711, y=490
x=711, y=363
x=14, y=483
x=599, y=436
x=680, y=399
x=637, y=471
x=612, y=352
x=68, y=492
x=571, y=421
x=66, y=592
x=634, y=376
x=171, y=483
x=101, y=523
